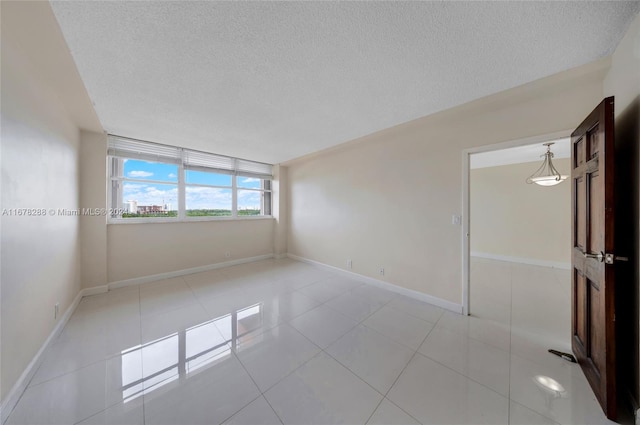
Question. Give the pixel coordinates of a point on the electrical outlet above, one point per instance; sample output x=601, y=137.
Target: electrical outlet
x=56, y=310
x=227, y=254
x=456, y=220
x=349, y=264
x=381, y=271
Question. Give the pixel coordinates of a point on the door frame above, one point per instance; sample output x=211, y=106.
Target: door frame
x=466, y=201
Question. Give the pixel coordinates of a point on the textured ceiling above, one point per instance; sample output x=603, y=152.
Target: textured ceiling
x=272, y=81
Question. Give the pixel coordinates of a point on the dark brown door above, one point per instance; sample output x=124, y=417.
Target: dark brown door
x=592, y=262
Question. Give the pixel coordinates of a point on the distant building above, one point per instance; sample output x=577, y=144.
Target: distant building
x=132, y=207
x=150, y=209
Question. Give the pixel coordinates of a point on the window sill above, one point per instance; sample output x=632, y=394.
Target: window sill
x=188, y=220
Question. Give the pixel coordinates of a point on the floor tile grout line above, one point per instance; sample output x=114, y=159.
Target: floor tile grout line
x=322, y=350
x=474, y=338
x=263, y=330
x=199, y=302
x=417, y=351
x=295, y=369
x=400, y=374
x=442, y=310
x=274, y=410
x=373, y=412
x=336, y=310
x=535, y=411
x=391, y=339
x=352, y=372
x=239, y=410
x=462, y=374
x=93, y=363
x=144, y=401
x=257, y=387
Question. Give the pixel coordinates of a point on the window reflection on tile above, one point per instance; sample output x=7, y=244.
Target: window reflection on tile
x=160, y=362
x=239, y=327
x=181, y=354
x=204, y=345
x=132, y=383
x=249, y=319
x=224, y=325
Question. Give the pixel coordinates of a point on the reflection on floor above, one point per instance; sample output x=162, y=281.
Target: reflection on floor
x=279, y=341
x=534, y=301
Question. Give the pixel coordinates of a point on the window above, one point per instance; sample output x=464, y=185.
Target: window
x=208, y=194
x=164, y=183
x=254, y=196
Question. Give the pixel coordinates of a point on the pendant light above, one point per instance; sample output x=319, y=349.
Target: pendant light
x=547, y=174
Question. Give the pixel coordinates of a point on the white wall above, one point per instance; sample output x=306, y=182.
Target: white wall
x=623, y=78
x=279, y=186
x=386, y=200
x=138, y=250
x=42, y=108
x=93, y=195
x=510, y=218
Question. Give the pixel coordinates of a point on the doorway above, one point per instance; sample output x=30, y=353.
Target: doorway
x=516, y=241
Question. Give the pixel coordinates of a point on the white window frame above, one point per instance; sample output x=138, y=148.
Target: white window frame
x=263, y=195
x=241, y=168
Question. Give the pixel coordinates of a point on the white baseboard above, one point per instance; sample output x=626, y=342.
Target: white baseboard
x=281, y=256
x=439, y=302
x=169, y=275
x=12, y=398
x=95, y=290
x=530, y=261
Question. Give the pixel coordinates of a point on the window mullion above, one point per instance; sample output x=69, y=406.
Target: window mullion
x=182, y=195
x=234, y=196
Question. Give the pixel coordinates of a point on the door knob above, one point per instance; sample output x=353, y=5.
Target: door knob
x=599, y=256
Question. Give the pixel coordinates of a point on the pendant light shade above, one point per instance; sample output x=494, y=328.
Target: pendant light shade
x=547, y=174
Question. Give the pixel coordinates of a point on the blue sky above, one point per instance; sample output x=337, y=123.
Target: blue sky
x=197, y=197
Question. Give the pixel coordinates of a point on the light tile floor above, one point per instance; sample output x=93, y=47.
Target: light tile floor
x=280, y=341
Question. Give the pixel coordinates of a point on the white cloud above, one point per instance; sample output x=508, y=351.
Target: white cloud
x=248, y=194
x=151, y=194
x=199, y=197
x=172, y=176
x=134, y=186
x=248, y=199
x=249, y=180
x=138, y=174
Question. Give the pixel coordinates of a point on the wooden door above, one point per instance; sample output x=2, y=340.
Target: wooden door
x=592, y=261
